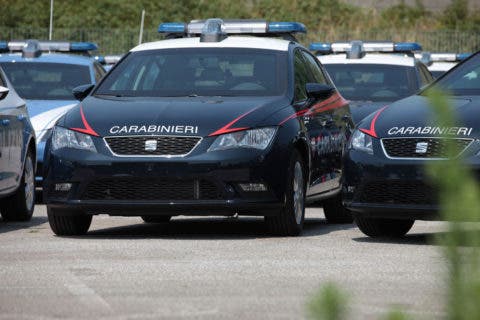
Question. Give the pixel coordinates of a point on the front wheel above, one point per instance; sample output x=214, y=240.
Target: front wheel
x=68, y=224
x=377, y=227
x=20, y=205
x=290, y=220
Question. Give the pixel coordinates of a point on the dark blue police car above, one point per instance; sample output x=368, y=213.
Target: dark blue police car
x=208, y=122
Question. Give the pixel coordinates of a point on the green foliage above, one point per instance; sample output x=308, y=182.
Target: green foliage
x=396, y=314
x=329, y=304
x=458, y=16
x=460, y=202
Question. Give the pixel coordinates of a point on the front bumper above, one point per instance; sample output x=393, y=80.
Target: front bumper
x=376, y=186
x=203, y=183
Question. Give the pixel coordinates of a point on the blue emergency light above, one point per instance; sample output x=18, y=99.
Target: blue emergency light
x=460, y=56
x=172, y=27
x=83, y=46
x=286, y=27
x=406, y=47
x=3, y=46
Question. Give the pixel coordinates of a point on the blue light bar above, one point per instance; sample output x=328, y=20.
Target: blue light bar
x=460, y=56
x=407, y=47
x=83, y=46
x=321, y=47
x=286, y=27
x=172, y=27
x=3, y=46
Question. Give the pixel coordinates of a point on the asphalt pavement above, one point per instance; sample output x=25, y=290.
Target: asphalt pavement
x=213, y=268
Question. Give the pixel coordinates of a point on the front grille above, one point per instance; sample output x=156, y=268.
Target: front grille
x=397, y=192
x=165, y=145
x=151, y=189
x=421, y=147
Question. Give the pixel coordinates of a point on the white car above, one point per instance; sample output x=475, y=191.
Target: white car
x=439, y=63
x=372, y=74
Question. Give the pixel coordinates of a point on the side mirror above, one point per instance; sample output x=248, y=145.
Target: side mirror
x=81, y=92
x=3, y=92
x=319, y=91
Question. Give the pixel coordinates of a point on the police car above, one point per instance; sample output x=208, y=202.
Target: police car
x=372, y=74
x=17, y=156
x=385, y=184
x=439, y=63
x=44, y=74
x=211, y=121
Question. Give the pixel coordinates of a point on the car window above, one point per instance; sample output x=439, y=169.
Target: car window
x=202, y=72
x=301, y=76
x=46, y=81
x=315, y=69
x=464, y=79
x=373, y=82
x=2, y=82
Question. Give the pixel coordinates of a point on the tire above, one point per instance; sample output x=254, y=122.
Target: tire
x=335, y=212
x=290, y=220
x=20, y=205
x=74, y=224
x=391, y=228
x=156, y=219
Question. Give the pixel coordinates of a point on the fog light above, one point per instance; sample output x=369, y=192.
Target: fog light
x=63, y=187
x=253, y=187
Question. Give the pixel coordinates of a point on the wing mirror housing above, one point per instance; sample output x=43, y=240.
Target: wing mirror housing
x=3, y=92
x=319, y=91
x=81, y=92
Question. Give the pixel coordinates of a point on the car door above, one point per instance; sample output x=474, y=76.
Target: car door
x=327, y=124
x=4, y=121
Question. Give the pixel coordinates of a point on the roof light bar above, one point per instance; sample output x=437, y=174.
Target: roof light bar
x=429, y=58
x=54, y=46
x=3, y=46
x=337, y=47
x=240, y=26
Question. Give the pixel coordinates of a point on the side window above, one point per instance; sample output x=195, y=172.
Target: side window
x=315, y=69
x=301, y=76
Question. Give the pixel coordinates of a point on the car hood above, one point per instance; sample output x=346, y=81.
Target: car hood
x=44, y=113
x=361, y=109
x=415, y=117
x=196, y=116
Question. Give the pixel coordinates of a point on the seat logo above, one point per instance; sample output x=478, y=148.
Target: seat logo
x=150, y=145
x=421, y=147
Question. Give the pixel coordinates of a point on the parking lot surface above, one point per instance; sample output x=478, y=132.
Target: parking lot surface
x=213, y=268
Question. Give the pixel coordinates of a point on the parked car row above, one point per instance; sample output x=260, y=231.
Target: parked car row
x=233, y=117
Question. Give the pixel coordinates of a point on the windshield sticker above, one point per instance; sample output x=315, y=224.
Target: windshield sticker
x=450, y=131
x=153, y=129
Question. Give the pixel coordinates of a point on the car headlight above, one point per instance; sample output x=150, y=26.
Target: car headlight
x=361, y=141
x=254, y=138
x=65, y=138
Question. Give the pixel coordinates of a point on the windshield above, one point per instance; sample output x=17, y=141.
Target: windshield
x=373, y=82
x=198, y=72
x=464, y=79
x=46, y=81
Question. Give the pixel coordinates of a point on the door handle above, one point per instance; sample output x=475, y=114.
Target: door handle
x=5, y=122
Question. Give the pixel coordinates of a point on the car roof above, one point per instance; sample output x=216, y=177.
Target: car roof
x=48, y=58
x=230, y=42
x=369, y=58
